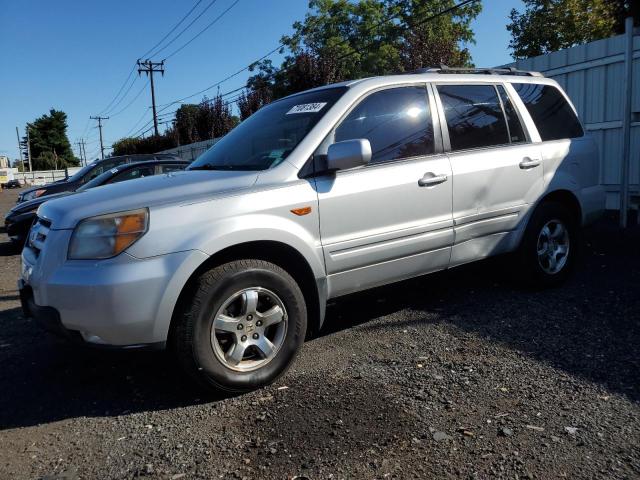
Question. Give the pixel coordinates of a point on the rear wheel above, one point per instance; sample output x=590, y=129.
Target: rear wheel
x=243, y=326
x=550, y=245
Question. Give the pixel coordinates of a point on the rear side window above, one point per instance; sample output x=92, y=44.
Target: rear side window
x=550, y=111
x=474, y=116
x=172, y=168
x=397, y=123
x=134, y=173
x=516, y=132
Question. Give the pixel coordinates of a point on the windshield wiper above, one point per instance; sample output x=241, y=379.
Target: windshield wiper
x=208, y=166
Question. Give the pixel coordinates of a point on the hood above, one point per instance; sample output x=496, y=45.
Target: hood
x=30, y=205
x=172, y=188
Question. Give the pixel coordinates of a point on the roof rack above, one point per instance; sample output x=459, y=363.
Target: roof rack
x=486, y=71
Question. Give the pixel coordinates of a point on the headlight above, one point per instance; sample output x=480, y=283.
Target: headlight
x=106, y=236
x=33, y=194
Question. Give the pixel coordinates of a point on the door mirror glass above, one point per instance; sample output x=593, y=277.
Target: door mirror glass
x=348, y=154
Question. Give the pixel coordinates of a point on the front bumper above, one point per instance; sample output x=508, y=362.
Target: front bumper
x=17, y=226
x=47, y=318
x=123, y=301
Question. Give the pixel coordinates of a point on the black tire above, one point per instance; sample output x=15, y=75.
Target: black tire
x=192, y=338
x=532, y=269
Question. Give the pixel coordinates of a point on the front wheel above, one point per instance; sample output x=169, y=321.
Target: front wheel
x=550, y=245
x=243, y=327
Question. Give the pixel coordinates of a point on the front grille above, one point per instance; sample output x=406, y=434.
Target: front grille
x=38, y=235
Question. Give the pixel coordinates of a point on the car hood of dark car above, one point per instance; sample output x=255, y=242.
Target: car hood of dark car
x=32, y=205
x=174, y=188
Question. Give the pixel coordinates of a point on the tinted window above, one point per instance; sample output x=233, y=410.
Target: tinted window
x=268, y=136
x=134, y=173
x=172, y=168
x=552, y=114
x=396, y=121
x=516, y=132
x=474, y=116
x=105, y=166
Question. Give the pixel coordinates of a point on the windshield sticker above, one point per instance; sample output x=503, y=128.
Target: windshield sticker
x=307, y=108
x=114, y=170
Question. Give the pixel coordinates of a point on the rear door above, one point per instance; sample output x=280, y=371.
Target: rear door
x=390, y=219
x=497, y=171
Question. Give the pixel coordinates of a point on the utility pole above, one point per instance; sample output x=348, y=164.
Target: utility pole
x=79, y=144
x=83, y=150
x=29, y=150
x=99, y=119
x=149, y=68
x=20, y=150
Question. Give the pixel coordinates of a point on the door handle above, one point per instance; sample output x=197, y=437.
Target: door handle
x=429, y=179
x=528, y=162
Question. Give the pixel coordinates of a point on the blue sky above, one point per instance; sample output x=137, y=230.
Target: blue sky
x=74, y=56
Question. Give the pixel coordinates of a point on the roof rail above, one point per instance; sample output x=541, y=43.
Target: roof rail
x=486, y=71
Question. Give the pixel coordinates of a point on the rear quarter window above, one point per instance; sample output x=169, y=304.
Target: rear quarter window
x=550, y=111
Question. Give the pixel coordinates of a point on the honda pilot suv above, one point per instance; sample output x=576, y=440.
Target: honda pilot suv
x=317, y=195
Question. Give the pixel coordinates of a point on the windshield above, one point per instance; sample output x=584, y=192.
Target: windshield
x=266, y=138
x=99, y=180
x=81, y=173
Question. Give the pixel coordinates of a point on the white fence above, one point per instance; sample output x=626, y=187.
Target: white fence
x=593, y=75
x=192, y=151
x=42, y=177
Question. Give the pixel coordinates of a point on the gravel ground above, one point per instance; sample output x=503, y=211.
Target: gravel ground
x=456, y=375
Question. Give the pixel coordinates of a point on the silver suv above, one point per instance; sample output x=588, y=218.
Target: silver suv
x=317, y=195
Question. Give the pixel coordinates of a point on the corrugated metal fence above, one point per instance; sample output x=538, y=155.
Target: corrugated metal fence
x=192, y=151
x=593, y=75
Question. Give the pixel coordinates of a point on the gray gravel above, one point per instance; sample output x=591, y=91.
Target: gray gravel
x=456, y=375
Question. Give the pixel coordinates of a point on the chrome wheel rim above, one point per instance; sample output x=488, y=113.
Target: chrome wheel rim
x=553, y=246
x=249, y=329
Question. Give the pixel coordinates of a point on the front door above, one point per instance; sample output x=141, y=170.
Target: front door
x=391, y=219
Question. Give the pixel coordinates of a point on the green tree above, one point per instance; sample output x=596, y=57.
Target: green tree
x=550, y=25
x=186, y=121
x=342, y=39
x=50, y=147
x=152, y=144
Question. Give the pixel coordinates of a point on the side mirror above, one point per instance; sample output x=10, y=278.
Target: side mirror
x=348, y=154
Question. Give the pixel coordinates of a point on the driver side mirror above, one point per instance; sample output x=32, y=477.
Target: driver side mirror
x=348, y=154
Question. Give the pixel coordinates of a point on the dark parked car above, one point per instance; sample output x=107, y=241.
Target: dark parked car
x=19, y=219
x=12, y=184
x=87, y=173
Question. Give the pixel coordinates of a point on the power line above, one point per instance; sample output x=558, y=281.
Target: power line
x=119, y=91
x=107, y=111
x=185, y=28
x=215, y=20
x=227, y=78
x=132, y=100
x=172, y=30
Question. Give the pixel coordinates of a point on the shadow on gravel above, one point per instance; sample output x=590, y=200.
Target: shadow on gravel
x=589, y=327
x=44, y=380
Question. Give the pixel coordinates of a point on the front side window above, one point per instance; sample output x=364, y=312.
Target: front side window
x=266, y=139
x=397, y=123
x=550, y=111
x=474, y=116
